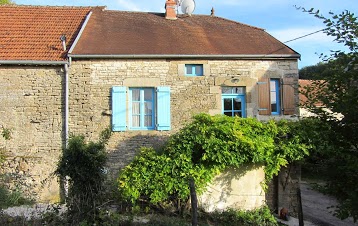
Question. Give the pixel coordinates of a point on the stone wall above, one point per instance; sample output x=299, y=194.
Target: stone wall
x=31, y=105
x=90, y=94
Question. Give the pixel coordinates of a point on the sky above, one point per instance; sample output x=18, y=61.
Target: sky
x=280, y=18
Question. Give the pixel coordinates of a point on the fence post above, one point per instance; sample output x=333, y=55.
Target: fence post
x=194, y=203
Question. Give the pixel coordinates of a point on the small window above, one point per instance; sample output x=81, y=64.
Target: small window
x=275, y=96
x=194, y=70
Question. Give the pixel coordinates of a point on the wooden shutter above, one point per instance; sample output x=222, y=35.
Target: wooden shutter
x=119, y=108
x=163, y=108
x=264, y=96
x=288, y=96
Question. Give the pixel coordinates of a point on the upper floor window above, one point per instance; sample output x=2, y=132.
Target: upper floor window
x=194, y=70
x=146, y=108
x=276, y=96
x=233, y=101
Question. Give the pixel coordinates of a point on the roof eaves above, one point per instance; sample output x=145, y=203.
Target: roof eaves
x=32, y=62
x=183, y=56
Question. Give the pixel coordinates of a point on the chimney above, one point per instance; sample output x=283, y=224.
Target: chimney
x=170, y=13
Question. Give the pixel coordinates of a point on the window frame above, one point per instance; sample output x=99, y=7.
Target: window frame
x=121, y=109
x=233, y=95
x=193, y=70
x=277, y=92
x=142, y=103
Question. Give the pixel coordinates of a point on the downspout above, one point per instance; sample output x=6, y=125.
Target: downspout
x=63, y=40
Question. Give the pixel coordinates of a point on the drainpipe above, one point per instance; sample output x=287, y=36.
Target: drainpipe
x=63, y=40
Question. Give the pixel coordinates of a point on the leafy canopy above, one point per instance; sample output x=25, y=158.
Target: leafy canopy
x=338, y=93
x=204, y=148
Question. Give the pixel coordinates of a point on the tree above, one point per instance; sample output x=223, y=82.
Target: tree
x=338, y=93
x=320, y=70
x=5, y=2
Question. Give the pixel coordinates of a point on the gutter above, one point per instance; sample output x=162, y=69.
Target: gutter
x=32, y=62
x=159, y=56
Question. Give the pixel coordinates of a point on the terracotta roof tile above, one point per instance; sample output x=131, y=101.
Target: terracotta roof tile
x=118, y=32
x=33, y=32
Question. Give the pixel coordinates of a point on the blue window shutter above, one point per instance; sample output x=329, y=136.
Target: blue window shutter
x=119, y=111
x=163, y=108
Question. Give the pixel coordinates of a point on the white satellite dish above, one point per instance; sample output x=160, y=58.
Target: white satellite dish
x=187, y=6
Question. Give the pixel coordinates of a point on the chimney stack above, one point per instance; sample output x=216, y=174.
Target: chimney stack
x=170, y=13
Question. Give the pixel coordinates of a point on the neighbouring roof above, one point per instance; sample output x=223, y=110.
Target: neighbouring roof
x=32, y=33
x=303, y=83
x=111, y=33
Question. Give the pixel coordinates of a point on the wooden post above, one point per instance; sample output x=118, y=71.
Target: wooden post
x=300, y=212
x=194, y=203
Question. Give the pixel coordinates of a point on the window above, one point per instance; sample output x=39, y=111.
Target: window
x=147, y=108
x=141, y=108
x=194, y=70
x=276, y=96
x=233, y=101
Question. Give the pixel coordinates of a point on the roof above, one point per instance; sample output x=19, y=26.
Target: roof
x=111, y=33
x=303, y=84
x=32, y=33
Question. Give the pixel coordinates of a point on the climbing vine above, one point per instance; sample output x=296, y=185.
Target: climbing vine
x=204, y=148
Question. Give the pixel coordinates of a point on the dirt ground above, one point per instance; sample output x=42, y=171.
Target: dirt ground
x=314, y=205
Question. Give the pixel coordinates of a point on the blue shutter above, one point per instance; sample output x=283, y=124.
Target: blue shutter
x=119, y=111
x=163, y=108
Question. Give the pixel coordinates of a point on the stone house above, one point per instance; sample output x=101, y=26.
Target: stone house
x=145, y=75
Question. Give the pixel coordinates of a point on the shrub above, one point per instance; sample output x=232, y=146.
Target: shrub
x=84, y=164
x=201, y=150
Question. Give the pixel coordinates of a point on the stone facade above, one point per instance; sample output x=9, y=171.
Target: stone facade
x=91, y=83
x=32, y=104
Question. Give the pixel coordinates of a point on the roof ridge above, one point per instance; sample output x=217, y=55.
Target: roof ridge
x=49, y=6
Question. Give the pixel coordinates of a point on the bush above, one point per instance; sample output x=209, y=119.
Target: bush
x=83, y=164
x=201, y=150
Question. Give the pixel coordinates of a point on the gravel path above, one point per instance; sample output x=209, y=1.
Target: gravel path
x=315, y=210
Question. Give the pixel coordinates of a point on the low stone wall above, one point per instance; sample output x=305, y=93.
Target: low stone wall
x=235, y=188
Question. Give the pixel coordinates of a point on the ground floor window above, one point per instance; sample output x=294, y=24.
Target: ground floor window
x=234, y=101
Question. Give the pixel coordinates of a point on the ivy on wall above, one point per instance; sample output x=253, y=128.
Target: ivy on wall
x=204, y=148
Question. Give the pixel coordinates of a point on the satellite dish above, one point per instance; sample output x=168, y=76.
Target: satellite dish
x=187, y=6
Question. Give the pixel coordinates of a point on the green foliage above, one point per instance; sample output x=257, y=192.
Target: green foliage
x=258, y=217
x=83, y=164
x=339, y=94
x=320, y=70
x=4, y=2
x=201, y=150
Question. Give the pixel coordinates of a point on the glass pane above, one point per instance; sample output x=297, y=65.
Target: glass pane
x=148, y=121
x=227, y=104
x=228, y=114
x=237, y=104
x=135, y=94
x=189, y=69
x=238, y=114
x=135, y=121
x=148, y=95
x=274, y=108
x=239, y=90
x=135, y=108
x=226, y=90
x=273, y=85
x=198, y=70
x=273, y=98
x=148, y=108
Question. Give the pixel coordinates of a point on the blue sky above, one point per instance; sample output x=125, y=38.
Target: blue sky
x=278, y=17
